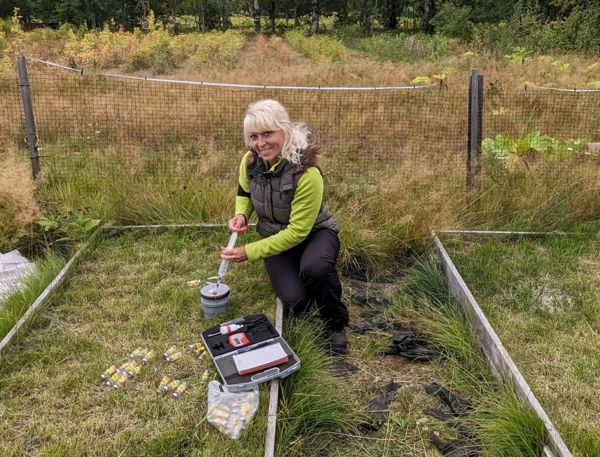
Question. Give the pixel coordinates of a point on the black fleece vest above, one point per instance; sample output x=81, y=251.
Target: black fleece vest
x=272, y=193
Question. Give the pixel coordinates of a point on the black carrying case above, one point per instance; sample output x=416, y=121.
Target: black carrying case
x=260, y=332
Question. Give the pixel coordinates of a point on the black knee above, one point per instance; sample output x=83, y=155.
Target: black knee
x=295, y=304
x=317, y=273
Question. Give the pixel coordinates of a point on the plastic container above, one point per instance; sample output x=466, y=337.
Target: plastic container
x=214, y=299
x=260, y=333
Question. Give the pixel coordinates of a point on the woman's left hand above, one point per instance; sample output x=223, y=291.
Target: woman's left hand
x=235, y=254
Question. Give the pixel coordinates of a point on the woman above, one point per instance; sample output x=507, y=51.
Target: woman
x=279, y=180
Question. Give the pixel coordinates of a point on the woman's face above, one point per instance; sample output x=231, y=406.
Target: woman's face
x=268, y=145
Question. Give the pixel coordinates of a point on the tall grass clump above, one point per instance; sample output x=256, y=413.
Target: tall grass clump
x=155, y=51
x=16, y=304
x=425, y=281
x=448, y=325
x=535, y=195
x=312, y=403
x=215, y=48
x=19, y=208
x=384, y=222
x=404, y=48
x=100, y=49
x=505, y=427
x=129, y=199
x=501, y=424
x=321, y=49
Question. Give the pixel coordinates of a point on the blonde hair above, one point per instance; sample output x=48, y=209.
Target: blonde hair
x=265, y=115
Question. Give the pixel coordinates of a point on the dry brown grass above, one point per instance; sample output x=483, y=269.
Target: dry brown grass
x=407, y=146
x=19, y=207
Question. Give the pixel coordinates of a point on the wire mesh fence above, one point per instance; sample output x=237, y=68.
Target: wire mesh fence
x=106, y=126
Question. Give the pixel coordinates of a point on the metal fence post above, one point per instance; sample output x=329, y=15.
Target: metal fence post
x=31, y=136
x=475, y=131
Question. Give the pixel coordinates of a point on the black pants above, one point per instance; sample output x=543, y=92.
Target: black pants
x=308, y=272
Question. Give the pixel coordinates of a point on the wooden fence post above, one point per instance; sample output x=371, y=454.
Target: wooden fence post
x=31, y=135
x=475, y=131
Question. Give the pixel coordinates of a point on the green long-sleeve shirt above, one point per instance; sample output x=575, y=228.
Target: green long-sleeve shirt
x=305, y=209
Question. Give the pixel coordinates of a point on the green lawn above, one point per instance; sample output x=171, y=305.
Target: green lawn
x=131, y=291
x=542, y=297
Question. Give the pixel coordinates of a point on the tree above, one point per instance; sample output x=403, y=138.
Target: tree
x=314, y=17
x=391, y=14
x=255, y=13
x=272, y=16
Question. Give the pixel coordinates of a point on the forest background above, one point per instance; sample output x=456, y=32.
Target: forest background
x=540, y=25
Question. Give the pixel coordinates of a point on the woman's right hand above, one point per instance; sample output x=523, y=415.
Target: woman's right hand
x=237, y=223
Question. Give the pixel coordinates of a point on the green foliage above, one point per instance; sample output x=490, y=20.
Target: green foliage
x=518, y=54
x=454, y=21
x=311, y=400
x=73, y=227
x=218, y=48
x=3, y=43
x=15, y=305
x=155, y=52
x=321, y=49
x=501, y=147
x=421, y=80
x=402, y=47
x=508, y=428
x=578, y=32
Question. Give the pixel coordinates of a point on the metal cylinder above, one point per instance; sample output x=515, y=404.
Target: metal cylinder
x=214, y=299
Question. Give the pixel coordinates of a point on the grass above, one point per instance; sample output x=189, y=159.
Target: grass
x=312, y=404
x=385, y=153
x=131, y=291
x=16, y=304
x=394, y=165
x=541, y=297
x=500, y=423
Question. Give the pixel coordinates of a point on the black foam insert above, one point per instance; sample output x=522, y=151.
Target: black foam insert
x=257, y=328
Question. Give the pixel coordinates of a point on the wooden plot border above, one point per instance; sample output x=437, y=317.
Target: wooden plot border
x=497, y=356
x=44, y=296
x=111, y=230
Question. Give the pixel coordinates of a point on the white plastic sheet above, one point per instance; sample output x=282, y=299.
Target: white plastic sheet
x=14, y=269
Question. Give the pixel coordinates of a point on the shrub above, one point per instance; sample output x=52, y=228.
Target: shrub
x=404, y=48
x=220, y=48
x=18, y=206
x=156, y=52
x=502, y=147
x=454, y=21
x=321, y=49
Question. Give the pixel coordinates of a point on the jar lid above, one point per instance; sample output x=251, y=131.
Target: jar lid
x=214, y=291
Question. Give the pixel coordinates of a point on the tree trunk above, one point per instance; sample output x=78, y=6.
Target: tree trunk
x=200, y=16
x=272, y=12
x=427, y=12
x=172, y=17
x=297, y=14
x=392, y=15
x=343, y=12
x=314, y=29
x=255, y=13
x=368, y=14
x=144, y=7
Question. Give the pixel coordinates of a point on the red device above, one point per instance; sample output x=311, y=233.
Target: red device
x=238, y=339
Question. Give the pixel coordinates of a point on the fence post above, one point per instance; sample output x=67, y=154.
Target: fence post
x=475, y=131
x=31, y=135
